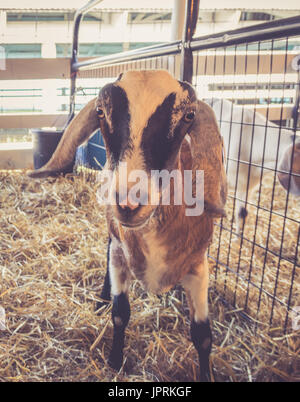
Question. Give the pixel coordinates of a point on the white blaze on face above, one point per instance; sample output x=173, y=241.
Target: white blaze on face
x=132, y=184
x=146, y=90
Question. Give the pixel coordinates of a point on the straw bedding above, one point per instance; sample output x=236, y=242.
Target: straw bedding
x=53, y=256
x=255, y=257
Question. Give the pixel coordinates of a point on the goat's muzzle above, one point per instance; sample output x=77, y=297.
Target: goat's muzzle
x=131, y=213
x=127, y=209
x=290, y=163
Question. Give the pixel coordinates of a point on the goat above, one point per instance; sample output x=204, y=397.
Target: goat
x=290, y=163
x=249, y=138
x=144, y=117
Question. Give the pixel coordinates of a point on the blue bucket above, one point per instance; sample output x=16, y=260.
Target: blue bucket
x=92, y=155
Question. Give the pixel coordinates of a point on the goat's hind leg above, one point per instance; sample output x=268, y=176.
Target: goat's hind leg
x=105, y=292
x=196, y=287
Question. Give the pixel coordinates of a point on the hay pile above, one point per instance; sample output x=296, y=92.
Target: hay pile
x=52, y=263
x=256, y=257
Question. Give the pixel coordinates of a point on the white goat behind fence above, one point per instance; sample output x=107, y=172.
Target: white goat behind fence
x=253, y=146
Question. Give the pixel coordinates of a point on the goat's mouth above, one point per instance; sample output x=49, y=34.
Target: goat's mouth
x=138, y=223
x=135, y=226
x=291, y=184
x=291, y=161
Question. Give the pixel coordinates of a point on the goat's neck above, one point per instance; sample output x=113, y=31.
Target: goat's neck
x=282, y=140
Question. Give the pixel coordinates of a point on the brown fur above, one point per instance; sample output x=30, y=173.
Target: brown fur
x=186, y=244
x=207, y=148
x=164, y=246
x=186, y=238
x=183, y=239
x=78, y=131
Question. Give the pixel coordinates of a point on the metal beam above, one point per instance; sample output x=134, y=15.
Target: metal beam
x=74, y=56
x=177, y=25
x=260, y=32
x=131, y=55
x=177, y=22
x=191, y=18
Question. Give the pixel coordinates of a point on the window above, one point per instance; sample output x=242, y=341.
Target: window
x=99, y=49
x=273, y=45
x=264, y=101
x=251, y=86
x=60, y=16
x=89, y=49
x=250, y=16
x=142, y=18
x=14, y=17
x=23, y=50
x=137, y=45
x=63, y=50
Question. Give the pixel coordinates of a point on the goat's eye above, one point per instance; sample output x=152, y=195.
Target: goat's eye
x=189, y=116
x=100, y=112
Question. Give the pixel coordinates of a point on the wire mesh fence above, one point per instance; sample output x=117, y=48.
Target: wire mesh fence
x=253, y=88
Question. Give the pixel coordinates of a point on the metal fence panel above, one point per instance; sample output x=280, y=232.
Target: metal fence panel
x=253, y=90
x=250, y=77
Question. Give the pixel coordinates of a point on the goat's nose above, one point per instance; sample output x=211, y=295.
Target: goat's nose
x=124, y=204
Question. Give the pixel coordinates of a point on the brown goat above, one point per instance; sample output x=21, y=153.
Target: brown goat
x=144, y=118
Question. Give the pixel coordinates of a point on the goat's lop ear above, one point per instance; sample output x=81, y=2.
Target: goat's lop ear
x=78, y=131
x=207, y=155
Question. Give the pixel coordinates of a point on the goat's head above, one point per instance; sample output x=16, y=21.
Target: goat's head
x=144, y=117
x=290, y=162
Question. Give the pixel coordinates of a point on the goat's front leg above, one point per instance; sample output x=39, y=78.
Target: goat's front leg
x=120, y=317
x=245, y=186
x=105, y=292
x=121, y=308
x=196, y=287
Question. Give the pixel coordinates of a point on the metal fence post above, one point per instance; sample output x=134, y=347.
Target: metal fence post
x=191, y=18
x=177, y=26
x=77, y=20
x=296, y=108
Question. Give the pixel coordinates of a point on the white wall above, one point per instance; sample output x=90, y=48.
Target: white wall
x=48, y=33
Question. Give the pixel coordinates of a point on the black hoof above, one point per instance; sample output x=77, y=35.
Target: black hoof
x=205, y=376
x=115, y=361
